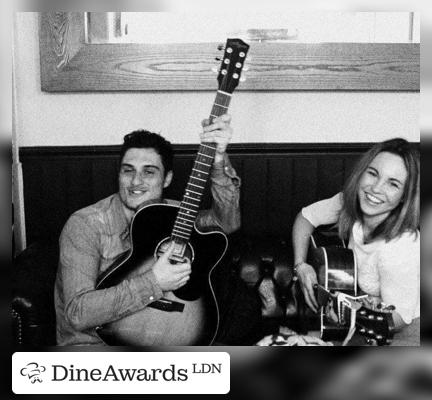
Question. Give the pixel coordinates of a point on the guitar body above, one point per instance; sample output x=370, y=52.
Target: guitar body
x=198, y=323
x=336, y=272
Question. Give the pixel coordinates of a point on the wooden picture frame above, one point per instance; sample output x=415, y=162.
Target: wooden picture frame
x=69, y=64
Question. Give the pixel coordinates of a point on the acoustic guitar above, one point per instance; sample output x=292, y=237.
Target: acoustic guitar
x=336, y=270
x=194, y=315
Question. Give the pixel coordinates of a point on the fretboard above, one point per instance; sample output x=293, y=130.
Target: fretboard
x=192, y=197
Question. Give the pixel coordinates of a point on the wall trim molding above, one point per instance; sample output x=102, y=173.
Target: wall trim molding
x=186, y=149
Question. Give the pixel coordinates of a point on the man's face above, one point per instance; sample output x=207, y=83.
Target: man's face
x=141, y=178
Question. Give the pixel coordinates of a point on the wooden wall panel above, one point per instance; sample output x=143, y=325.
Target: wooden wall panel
x=279, y=199
x=277, y=181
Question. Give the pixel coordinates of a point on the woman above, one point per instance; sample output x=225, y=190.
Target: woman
x=378, y=211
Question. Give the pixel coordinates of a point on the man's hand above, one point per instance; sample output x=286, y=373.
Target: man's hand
x=218, y=132
x=308, y=279
x=171, y=276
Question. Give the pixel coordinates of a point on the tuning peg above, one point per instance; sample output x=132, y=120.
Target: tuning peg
x=242, y=78
x=221, y=47
x=217, y=58
x=245, y=67
x=215, y=69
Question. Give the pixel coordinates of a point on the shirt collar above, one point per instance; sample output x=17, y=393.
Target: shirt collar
x=120, y=223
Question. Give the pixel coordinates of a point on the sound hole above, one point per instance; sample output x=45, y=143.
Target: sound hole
x=182, y=250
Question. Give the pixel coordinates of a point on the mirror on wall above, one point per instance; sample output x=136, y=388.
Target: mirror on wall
x=290, y=27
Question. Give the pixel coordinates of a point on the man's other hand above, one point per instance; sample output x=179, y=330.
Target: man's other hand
x=171, y=276
x=219, y=132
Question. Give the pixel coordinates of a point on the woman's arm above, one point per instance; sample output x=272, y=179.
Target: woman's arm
x=320, y=213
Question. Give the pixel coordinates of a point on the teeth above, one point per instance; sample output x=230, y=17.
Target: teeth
x=137, y=191
x=373, y=199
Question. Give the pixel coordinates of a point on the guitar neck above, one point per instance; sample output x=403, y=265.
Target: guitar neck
x=192, y=197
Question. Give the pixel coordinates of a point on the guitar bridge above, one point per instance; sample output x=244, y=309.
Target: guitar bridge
x=346, y=301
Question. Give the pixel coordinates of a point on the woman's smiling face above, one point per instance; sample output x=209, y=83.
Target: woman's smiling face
x=381, y=187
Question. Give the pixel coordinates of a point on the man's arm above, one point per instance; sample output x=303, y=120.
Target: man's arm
x=84, y=306
x=225, y=184
x=225, y=209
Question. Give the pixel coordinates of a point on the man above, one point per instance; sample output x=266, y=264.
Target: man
x=94, y=236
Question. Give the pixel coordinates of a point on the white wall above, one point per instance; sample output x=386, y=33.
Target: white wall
x=51, y=119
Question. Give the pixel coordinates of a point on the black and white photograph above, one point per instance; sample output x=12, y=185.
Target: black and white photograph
x=223, y=179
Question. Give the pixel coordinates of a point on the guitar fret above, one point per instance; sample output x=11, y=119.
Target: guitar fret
x=189, y=190
x=182, y=223
x=220, y=105
x=205, y=155
x=199, y=162
x=192, y=198
x=188, y=213
x=180, y=227
x=200, y=179
x=198, y=170
x=183, y=236
x=185, y=219
x=204, y=145
x=193, y=184
x=191, y=204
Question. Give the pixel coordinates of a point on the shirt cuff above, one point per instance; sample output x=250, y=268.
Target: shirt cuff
x=147, y=288
x=222, y=170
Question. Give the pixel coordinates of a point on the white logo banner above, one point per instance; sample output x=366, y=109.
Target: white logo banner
x=120, y=372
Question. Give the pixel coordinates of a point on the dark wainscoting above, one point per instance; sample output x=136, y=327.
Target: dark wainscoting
x=277, y=180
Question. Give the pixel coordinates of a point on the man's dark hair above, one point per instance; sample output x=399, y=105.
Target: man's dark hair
x=143, y=139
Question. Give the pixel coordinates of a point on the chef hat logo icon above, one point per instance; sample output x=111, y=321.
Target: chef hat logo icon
x=33, y=371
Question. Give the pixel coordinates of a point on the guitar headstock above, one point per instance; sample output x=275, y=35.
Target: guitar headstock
x=375, y=324
x=232, y=64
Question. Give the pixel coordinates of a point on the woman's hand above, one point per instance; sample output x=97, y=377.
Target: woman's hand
x=308, y=279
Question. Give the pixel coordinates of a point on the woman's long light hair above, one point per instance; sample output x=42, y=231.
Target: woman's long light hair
x=405, y=217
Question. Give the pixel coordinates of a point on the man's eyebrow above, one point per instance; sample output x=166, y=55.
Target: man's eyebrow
x=151, y=166
x=145, y=166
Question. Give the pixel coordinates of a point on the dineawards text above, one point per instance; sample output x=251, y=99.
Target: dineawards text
x=112, y=374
